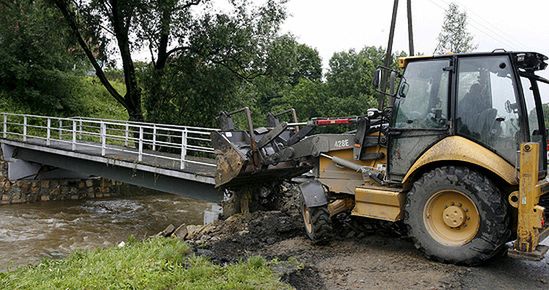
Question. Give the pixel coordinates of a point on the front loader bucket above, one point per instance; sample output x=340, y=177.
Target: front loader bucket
x=230, y=160
x=235, y=166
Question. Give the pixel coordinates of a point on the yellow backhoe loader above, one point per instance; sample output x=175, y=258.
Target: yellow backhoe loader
x=459, y=157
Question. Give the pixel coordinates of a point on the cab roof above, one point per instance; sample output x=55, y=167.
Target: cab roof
x=528, y=61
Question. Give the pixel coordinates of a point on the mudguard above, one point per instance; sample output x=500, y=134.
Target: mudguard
x=313, y=193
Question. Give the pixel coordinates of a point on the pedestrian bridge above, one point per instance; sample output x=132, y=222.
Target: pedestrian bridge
x=170, y=158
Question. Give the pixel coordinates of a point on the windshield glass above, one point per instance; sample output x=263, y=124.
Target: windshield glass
x=426, y=102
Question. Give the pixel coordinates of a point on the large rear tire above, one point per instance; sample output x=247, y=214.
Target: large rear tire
x=457, y=215
x=318, y=225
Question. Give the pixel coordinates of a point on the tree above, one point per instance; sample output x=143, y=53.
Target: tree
x=37, y=59
x=93, y=24
x=308, y=97
x=168, y=29
x=288, y=62
x=454, y=36
x=224, y=53
x=349, y=79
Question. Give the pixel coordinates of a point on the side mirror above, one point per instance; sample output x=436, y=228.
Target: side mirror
x=392, y=82
x=378, y=76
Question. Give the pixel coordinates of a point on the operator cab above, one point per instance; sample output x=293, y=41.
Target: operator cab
x=492, y=99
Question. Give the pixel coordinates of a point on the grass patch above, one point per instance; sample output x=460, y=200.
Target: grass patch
x=98, y=103
x=156, y=263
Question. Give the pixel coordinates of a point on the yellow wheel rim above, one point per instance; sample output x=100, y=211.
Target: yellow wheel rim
x=307, y=219
x=451, y=218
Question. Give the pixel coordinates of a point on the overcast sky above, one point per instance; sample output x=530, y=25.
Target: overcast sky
x=331, y=26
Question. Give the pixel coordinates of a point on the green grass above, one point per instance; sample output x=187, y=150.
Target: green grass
x=156, y=263
x=98, y=103
x=94, y=101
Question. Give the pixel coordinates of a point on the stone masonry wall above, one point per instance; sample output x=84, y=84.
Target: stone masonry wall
x=24, y=191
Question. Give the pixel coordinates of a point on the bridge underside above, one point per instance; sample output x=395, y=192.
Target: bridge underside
x=199, y=185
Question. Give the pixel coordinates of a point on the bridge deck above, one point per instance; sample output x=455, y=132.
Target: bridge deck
x=151, y=158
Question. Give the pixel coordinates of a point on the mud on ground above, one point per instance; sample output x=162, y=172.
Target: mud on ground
x=364, y=254
x=361, y=256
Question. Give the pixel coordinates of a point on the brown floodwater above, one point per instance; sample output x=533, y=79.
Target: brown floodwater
x=31, y=232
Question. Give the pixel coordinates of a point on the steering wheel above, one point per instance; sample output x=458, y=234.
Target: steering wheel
x=511, y=108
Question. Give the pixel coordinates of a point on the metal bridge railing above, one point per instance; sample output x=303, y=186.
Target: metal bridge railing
x=140, y=139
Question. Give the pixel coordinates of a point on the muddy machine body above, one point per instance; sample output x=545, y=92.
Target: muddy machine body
x=459, y=157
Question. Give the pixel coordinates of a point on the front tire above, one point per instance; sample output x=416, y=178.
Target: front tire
x=457, y=215
x=318, y=225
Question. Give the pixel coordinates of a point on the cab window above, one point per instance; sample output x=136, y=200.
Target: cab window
x=487, y=106
x=425, y=105
x=532, y=115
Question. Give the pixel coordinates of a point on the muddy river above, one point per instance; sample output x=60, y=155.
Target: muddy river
x=31, y=232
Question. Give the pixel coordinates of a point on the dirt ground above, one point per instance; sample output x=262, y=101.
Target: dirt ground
x=361, y=256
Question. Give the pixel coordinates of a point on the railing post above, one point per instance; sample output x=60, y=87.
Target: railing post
x=5, y=126
x=183, y=147
x=25, y=128
x=154, y=137
x=140, y=156
x=80, y=130
x=60, y=129
x=48, y=132
x=126, y=135
x=73, y=135
x=103, y=138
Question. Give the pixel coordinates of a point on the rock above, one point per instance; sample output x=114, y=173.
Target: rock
x=271, y=241
x=55, y=191
x=167, y=231
x=350, y=235
x=243, y=232
x=193, y=231
x=74, y=197
x=181, y=232
x=44, y=198
x=89, y=183
x=7, y=186
x=204, y=252
x=5, y=197
x=121, y=244
x=231, y=219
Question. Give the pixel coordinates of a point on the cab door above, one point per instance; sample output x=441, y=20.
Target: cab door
x=420, y=118
x=488, y=105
